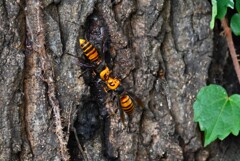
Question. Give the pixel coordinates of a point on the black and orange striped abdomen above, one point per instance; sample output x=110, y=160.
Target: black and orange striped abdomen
x=127, y=104
x=89, y=50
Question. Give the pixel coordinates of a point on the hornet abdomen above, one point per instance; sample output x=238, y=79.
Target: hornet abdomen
x=89, y=50
x=127, y=104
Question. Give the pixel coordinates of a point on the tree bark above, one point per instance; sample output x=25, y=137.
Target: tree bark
x=161, y=51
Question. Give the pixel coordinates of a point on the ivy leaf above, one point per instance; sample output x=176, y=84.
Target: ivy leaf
x=222, y=7
x=230, y=3
x=238, y=5
x=218, y=115
x=235, y=24
x=214, y=13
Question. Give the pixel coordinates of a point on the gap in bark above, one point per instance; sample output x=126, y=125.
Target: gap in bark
x=92, y=121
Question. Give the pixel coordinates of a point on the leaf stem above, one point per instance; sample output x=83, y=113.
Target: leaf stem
x=231, y=47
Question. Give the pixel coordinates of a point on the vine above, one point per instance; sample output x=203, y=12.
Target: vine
x=218, y=114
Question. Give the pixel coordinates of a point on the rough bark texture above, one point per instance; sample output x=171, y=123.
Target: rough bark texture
x=160, y=49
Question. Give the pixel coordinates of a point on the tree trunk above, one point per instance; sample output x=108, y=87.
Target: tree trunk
x=51, y=110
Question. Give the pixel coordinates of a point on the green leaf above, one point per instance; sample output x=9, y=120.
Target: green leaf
x=214, y=13
x=235, y=24
x=218, y=115
x=222, y=7
x=238, y=5
x=230, y=3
